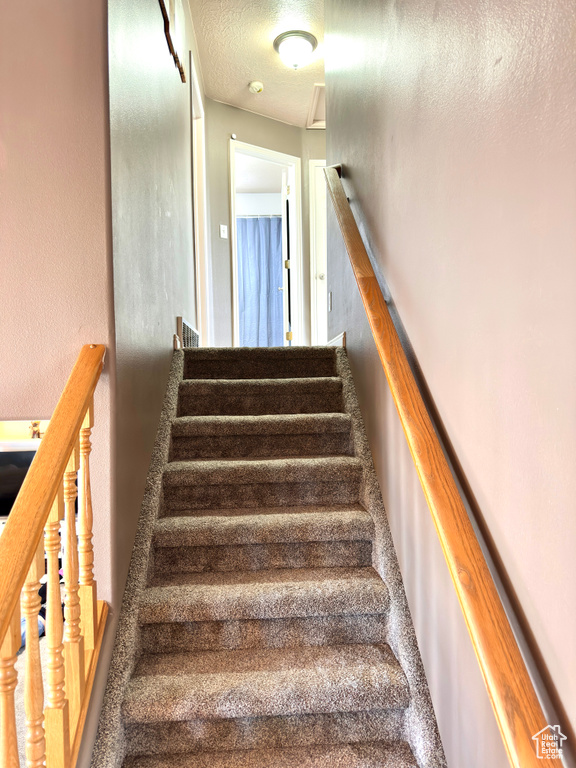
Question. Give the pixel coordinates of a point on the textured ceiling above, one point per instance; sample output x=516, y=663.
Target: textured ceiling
x=235, y=45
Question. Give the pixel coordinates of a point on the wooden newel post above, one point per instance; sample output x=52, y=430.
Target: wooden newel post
x=57, y=716
x=33, y=687
x=88, y=596
x=8, y=680
x=73, y=640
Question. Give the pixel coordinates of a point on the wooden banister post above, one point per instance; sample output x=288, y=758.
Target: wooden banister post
x=56, y=722
x=33, y=687
x=8, y=680
x=73, y=640
x=88, y=593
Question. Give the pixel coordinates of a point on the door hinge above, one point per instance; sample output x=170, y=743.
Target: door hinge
x=287, y=189
x=288, y=335
x=287, y=263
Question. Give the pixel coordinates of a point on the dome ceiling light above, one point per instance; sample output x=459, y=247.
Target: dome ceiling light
x=295, y=48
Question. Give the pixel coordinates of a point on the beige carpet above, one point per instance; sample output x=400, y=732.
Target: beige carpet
x=255, y=630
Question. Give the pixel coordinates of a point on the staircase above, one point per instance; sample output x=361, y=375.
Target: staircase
x=262, y=628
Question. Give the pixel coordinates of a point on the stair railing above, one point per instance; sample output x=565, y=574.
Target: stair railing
x=41, y=526
x=514, y=699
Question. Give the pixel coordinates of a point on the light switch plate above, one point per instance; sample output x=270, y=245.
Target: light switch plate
x=224, y=231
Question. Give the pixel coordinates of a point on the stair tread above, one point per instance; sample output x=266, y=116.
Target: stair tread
x=290, y=423
x=264, y=594
x=260, y=362
x=243, y=353
x=349, y=525
x=290, y=632
x=260, y=396
x=376, y=754
x=258, y=682
x=283, y=667
x=265, y=733
x=261, y=511
x=303, y=384
x=273, y=576
x=229, y=461
x=250, y=660
x=243, y=471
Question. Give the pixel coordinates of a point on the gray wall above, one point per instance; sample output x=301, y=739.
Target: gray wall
x=221, y=121
x=150, y=148
x=152, y=241
x=457, y=127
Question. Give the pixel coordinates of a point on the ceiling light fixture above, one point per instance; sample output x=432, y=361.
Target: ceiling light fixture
x=295, y=48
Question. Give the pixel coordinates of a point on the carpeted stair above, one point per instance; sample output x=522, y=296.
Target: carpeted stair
x=263, y=627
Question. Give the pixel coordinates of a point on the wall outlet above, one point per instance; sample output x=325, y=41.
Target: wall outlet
x=224, y=231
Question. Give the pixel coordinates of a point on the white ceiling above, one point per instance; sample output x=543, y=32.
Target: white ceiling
x=255, y=175
x=235, y=45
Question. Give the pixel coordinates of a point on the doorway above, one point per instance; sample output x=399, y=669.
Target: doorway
x=266, y=235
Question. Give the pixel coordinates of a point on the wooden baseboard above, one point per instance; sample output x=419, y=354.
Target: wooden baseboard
x=91, y=661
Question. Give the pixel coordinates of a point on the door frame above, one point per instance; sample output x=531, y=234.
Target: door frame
x=203, y=277
x=318, y=240
x=296, y=256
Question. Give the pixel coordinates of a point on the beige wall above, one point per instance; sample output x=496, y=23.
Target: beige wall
x=55, y=241
x=55, y=254
x=457, y=127
x=222, y=121
x=60, y=287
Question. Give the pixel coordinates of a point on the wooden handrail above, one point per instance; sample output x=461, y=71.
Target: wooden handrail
x=29, y=514
x=46, y=503
x=512, y=694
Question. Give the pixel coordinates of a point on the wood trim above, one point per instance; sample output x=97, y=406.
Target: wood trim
x=29, y=514
x=311, y=122
x=91, y=662
x=338, y=341
x=318, y=253
x=513, y=697
x=199, y=209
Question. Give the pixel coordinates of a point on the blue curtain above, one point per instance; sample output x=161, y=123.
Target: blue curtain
x=259, y=241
